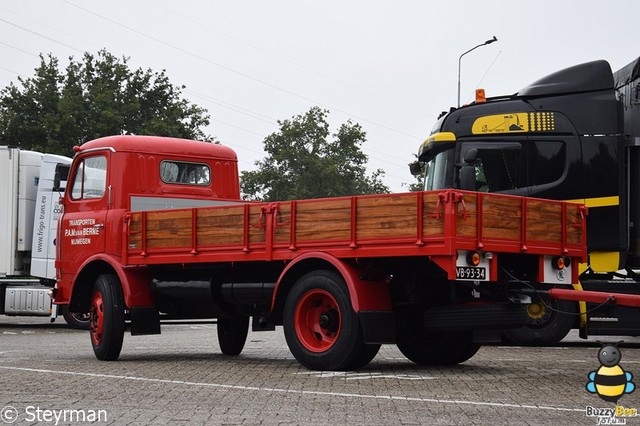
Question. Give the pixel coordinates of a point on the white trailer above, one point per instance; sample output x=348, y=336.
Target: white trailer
x=31, y=184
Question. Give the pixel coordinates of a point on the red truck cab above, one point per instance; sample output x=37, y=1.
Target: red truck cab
x=118, y=174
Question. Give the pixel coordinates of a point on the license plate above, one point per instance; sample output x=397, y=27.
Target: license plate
x=471, y=273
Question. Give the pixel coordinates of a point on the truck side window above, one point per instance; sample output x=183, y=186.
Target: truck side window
x=498, y=167
x=90, y=179
x=506, y=166
x=185, y=173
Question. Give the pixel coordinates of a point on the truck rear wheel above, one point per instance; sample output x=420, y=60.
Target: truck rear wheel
x=439, y=349
x=428, y=347
x=232, y=334
x=106, y=318
x=321, y=328
x=549, y=322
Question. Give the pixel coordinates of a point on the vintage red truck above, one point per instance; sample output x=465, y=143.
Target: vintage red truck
x=155, y=228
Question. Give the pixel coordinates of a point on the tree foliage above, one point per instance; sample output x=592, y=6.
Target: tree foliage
x=302, y=162
x=99, y=96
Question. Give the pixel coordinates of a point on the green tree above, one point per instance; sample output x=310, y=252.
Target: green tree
x=302, y=162
x=99, y=96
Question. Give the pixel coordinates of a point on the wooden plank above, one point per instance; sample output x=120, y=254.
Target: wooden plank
x=320, y=220
x=574, y=221
x=544, y=221
x=432, y=219
x=169, y=229
x=467, y=223
x=387, y=216
x=221, y=226
x=501, y=218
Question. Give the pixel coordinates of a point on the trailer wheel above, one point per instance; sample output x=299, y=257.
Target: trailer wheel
x=546, y=326
x=321, y=328
x=75, y=320
x=232, y=334
x=426, y=347
x=106, y=318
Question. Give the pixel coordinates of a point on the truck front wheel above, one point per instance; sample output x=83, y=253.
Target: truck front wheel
x=106, y=318
x=232, y=334
x=321, y=328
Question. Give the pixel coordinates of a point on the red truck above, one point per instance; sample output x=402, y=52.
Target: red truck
x=155, y=228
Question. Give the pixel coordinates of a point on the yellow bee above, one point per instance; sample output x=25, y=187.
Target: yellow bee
x=610, y=381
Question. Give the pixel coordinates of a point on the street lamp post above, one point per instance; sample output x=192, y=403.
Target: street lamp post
x=460, y=60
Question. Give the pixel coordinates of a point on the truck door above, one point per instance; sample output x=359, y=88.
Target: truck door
x=83, y=224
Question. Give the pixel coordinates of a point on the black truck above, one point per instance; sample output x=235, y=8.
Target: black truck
x=573, y=135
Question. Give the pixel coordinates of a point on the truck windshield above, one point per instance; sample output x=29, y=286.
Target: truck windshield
x=435, y=172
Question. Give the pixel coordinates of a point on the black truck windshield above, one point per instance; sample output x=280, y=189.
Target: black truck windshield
x=436, y=171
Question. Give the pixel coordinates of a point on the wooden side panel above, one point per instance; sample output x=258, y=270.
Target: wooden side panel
x=544, y=221
x=168, y=229
x=432, y=219
x=574, y=221
x=321, y=220
x=467, y=223
x=220, y=226
x=135, y=232
x=388, y=216
x=282, y=233
x=501, y=218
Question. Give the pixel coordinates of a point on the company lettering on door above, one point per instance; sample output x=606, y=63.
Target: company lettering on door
x=81, y=230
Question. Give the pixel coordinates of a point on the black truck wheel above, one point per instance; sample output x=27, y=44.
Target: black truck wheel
x=427, y=347
x=106, y=318
x=439, y=348
x=548, y=323
x=75, y=320
x=321, y=328
x=232, y=334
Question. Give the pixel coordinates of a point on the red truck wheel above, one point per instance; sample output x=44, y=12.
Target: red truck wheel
x=322, y=330
x=106, y=318
x=232, y=334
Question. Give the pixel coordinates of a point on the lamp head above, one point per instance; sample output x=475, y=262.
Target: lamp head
x=491, y=40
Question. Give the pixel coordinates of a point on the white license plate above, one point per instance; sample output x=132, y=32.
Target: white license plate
x=471, y=273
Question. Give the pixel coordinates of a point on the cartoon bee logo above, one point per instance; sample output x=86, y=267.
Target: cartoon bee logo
x=610, y=381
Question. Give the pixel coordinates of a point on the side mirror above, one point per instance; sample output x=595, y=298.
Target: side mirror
x=56, y=181
x=416, y=168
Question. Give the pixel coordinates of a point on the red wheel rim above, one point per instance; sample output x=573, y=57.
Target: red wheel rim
x=96, y=318
x=317, y=320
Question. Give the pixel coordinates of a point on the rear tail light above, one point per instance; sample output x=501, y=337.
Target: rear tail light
x=473, y=258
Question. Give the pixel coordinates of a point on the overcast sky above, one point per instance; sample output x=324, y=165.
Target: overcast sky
x=390, y=66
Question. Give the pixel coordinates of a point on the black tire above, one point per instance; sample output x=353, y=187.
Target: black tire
x=74, y=320
x=232, y=334
x=365, y=356
x=546, y=326
x=426, y=347
x=321, y=328
x=107, y=318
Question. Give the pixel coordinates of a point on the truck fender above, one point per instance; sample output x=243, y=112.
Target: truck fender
x=365, y=294
x=134, y=281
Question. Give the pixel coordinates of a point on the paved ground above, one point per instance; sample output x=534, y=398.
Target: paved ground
x=48, y=374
